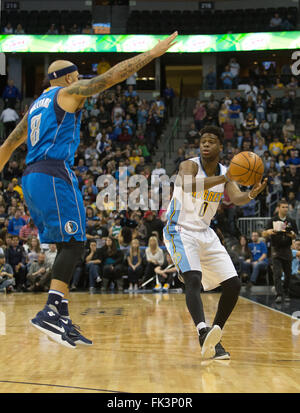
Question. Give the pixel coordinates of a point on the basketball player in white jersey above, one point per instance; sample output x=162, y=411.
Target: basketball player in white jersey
x=197, y=252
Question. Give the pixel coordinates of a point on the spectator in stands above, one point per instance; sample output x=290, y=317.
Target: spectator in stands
x=200, y=114
x=234, y=113
x=112, y=264
x=7, y=281
x=135, y=265
x=39, y=275
x=288, y=23
x=259, y=258
x=212, y=109
x=223, y=115
x=294, y=158
x=124, y=239
x=251, y=90
x=296, y=259
x=50, y=255
x=260, y=148
x=288, y=129
x=33, y=249
x=260, y=107
x=263, y=93
x=12, y=171
x=275, y=22
x=28, y=230
x=192, y=133
x=52, y=29
x=244, y=255
x=16, y=223
x=286, y=104
x=235, y=71
x=272, y=110
x=154, y=257
x=165, y=274
x=8, y=29
x=159, y=170
x=278, y=83
x=169, y=96
x=62, y=30
x=291, y=181
x=227, y=78
x=10, y=194
x=9, y=117
x=281, y=229
x=74, y=29
x=275, y=147
x=87, y=29
x=211, y=79
x=19, y=29
x=131, y=81
x=16, y=257
x=250, y=123
x=93, y=262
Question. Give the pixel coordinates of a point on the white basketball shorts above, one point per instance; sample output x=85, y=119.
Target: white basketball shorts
x=199, y=251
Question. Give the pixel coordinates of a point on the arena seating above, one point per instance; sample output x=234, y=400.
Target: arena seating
x=207, y=21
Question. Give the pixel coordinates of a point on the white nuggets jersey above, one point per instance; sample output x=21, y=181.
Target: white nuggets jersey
x=190, y=241
x=194, y=211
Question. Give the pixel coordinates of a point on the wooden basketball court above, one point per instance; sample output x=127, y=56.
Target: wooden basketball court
x=146, y=343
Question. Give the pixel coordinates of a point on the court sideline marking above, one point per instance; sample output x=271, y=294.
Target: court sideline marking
x=60, y=385
x=270, y=308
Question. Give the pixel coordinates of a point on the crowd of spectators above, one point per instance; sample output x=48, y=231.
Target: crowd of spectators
x=254, y=119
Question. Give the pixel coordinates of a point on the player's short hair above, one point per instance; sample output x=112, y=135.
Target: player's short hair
x=215, y=130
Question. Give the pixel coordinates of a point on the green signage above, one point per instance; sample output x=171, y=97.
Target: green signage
x=238, y=42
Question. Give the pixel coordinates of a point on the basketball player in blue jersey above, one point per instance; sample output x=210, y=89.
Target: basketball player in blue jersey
x=201, y=259
x=51, y=127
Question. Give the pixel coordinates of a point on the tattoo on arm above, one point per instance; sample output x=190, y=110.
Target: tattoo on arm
x=19, y=134
x=116, y=74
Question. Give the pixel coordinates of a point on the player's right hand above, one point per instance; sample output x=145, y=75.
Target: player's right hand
x=163, y=45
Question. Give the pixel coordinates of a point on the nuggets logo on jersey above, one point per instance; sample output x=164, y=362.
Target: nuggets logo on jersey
x=209, y=196
x=195, y=215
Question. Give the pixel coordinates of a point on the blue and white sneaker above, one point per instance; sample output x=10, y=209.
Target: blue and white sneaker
x=73, y=332
x=49, y=322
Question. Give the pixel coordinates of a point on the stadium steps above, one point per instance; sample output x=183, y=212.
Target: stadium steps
x=178, y=142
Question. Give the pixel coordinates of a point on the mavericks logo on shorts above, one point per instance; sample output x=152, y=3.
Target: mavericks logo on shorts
x=71, y=227
x=176, y=258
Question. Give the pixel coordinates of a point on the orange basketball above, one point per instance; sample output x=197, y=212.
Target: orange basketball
x=246, y=168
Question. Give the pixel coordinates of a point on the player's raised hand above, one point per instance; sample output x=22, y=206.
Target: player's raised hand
x=163, y=45
x=258, y=188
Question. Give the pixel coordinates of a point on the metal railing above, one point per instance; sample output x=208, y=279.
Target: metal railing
x=248, y=225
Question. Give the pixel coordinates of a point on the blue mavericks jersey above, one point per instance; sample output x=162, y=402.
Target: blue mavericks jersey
x=52, y=132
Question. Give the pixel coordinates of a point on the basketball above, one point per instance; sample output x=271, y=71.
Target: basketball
x=246, y=168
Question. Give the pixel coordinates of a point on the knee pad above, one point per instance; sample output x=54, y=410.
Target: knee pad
x=232, y=284
x=192, y=279
x=69, y=254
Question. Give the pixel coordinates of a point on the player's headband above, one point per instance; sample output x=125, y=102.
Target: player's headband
x=62, y=72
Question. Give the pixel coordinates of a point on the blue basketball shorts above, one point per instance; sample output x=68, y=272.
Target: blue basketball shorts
x=54, y=201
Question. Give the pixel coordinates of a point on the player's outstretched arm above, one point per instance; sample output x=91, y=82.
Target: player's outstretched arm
x=120, y=72
x=187, y=178
x=242, y=198
x=15, y=139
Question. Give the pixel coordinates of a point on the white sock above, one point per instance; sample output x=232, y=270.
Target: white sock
x=200, y=326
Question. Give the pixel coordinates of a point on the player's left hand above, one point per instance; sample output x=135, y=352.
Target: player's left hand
x=258, y=188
